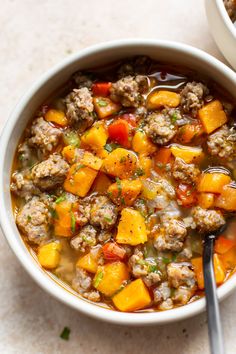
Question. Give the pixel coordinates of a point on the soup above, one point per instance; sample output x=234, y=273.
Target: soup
x=119, y=176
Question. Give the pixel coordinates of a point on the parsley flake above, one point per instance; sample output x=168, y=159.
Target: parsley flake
x=65, y=334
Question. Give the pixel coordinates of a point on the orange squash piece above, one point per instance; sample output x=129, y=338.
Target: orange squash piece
x=110, y=277
x=228, y=259
x=227, y=199
x=223, y=245
x=63, y=222
x=105, y=107
x=163, y=98
x=218, y=268
x=88, y=263
x=212, y=116
x=133, y=297
x=142, y=144
x=212, y=182
x=125, y=192
x=206, y=200
x=101, y=183
x=120, y=163
x=79, y=179
x=57, y=117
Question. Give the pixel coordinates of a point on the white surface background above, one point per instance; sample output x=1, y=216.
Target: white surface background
x=34, y=35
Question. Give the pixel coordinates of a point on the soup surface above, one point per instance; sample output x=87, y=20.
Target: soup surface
x=117, y=179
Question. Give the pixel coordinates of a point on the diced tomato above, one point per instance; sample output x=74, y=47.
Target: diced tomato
x=101, y=88
x=186, y=195
x=130, y=118
x=223, y=245
x=113, y=252
x=119, y=132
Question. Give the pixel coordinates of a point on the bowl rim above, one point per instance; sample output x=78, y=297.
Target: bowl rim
x=45, y=282
x=224, y=14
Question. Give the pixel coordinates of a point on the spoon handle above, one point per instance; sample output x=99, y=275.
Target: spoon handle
x=213, y=313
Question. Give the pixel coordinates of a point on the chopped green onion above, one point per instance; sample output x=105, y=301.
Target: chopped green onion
x=65, y=334
x=29, y=218
x=72, y=215
x=60, y=199
x=98, y=279
x=174, y=118
x=71, y=138
x=166, y=260
x=53, y=213
x=107, y=218
x=119, y=186
x=102, y=103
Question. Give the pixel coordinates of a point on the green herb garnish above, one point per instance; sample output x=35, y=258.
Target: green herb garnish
x=111, y=147
x=98, y=279
x=21, y=157
x=53, y=213
x=152, y=269
x=29, y=218
x=139, y=172
x=102, y=103
x=166, y=260
x=119, y=186
x=122, y=159
x=72, y=217
x=65, y=334
x=107, y=218
x=60, y=199
x=174, y=118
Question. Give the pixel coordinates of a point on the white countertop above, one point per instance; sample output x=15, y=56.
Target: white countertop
x=34, y=36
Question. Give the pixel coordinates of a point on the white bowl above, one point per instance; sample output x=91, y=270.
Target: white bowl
x=222, y=29
x=173, y=53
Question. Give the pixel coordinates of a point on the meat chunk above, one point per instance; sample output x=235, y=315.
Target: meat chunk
x=159, y=128
x=145, y=268
x=162, y=292
x=23, y=186
x=50, y=173
x=128, y=90
x=182, y=295
x=25, y=155
x=34, y=220
x=82, y=80
x=222, y=143
x=79, y=107
x=170, y=235
x=85, y=238
x=207, y=220
x=192, y=97
x=185, y=173
x=181, y=274
x=82, y=283
x=230, y=6
x=44, y=136
x=103, y=213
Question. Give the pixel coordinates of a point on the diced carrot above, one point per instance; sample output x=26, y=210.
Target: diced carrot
x=223, y=245
x=101, y=89
x=218, y=268
x=113, y=252
x=206, y=200
x=227, y=199
x=212, y=182
x=105, y=107
x=212, y=116
x=186, y=195
x=133, y=297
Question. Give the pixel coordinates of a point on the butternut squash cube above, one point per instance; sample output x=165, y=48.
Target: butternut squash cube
x=105, y=107
x=142, y=144
x=110, y=277
x=212, y=182
x=92, y=161
x=101, y=183
x=88, y=263
x=206, y=200
x=218, y=268
x=163, y=98
x=49, y=255
x=79, y=179
x=212, y=116
x=124, y=192
x=57, y=117
x=227, y=199
x=131, y=229
x=187, y=153
x=95, y=138
x=133, y=297
x=63, y=222
x=120, y=163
